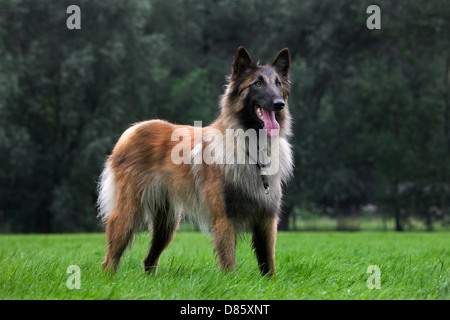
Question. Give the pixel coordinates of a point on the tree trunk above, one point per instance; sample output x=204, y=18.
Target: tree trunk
x=398, y=222
x=283, y=224
x=447, y=104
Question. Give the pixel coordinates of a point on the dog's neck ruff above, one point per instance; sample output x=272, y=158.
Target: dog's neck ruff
x=262, y=173
x=264, y=178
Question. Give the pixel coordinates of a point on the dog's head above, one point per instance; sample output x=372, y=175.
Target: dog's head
x=258, y=94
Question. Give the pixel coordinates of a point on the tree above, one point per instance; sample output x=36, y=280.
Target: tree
x=70, y=92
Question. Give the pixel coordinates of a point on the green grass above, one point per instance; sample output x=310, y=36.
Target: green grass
x=309, y=266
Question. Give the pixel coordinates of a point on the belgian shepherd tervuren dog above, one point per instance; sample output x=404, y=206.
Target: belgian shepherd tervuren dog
x=216, y=175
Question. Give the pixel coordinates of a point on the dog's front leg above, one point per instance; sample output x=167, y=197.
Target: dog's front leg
x=264, y=238
x=224, y=239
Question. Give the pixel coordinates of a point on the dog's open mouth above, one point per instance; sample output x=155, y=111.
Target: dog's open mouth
x=268, y=121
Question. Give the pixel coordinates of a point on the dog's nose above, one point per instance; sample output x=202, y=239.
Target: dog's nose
x=278, y=104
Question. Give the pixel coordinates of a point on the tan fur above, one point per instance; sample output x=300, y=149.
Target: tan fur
x=141, y=185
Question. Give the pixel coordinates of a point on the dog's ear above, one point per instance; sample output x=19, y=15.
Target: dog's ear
x=242, y=61
x=282, y=62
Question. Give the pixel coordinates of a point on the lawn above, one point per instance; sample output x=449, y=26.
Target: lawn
x=310, y=265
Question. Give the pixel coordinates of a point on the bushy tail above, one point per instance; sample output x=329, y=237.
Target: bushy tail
x=106, y=190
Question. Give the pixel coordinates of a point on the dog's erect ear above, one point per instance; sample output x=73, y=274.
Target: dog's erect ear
x=242, y=61
x=282, y=62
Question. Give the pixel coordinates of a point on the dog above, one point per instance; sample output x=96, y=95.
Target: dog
x=155, y=174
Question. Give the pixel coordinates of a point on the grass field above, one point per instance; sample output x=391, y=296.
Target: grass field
x=309, y=266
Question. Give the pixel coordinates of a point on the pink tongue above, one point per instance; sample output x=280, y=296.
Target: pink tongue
x=270, y=123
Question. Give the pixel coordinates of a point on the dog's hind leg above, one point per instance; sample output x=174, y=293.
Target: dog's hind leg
x=119, y=232
x=120, y=227
x=164, y=226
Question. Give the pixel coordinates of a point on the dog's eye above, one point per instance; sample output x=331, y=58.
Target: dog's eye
x=277, y=82
x=258, y=83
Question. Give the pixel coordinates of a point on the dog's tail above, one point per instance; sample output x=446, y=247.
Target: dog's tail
x=106, y=190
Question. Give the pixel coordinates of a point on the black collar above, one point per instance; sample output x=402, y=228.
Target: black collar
x=263, y=177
